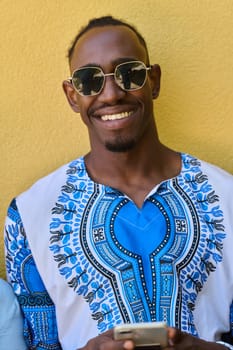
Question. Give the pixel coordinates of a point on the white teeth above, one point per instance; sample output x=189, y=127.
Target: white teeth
x=116, y=116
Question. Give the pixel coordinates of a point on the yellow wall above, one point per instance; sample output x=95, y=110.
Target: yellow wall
x=191, y=39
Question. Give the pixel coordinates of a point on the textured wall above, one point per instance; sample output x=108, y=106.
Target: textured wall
x=191, y=39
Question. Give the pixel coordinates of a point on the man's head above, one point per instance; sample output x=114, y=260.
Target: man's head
x=116, y=108
x=103, y=22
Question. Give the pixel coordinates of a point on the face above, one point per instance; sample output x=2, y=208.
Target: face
x=117, y=120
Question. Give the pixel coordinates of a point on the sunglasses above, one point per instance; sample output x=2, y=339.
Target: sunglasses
x=129, y=76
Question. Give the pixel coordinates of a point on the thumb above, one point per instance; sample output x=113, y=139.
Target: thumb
x=174, y=335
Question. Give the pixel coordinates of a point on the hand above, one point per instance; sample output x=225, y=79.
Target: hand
x=177, y=341
x=105, y=341
x=183, y=341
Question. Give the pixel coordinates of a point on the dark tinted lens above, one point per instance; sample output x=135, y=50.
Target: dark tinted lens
x=131, y=75
x=88, y=81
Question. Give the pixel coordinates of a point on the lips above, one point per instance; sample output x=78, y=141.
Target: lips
x=116, y=116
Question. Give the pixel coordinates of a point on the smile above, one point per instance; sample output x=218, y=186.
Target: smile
x=116, y=116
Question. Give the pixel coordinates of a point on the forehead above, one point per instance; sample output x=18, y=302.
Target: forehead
x=107, y=45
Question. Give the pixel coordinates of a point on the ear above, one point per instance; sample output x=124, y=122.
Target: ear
x=71, y=95
x=155, y=76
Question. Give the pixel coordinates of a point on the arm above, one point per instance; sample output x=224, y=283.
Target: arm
x=177, y=341
x=40, y=328
x=183, y=341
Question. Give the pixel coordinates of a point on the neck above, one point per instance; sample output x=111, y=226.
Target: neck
x=134, y=172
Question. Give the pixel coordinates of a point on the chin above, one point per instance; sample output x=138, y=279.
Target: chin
x=120, y=146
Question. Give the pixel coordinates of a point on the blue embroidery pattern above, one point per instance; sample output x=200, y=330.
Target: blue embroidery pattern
x=33, y=298
x=96, y=240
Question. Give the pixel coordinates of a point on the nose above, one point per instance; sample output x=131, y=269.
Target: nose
x=111, y=92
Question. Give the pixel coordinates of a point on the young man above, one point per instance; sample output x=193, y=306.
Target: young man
x=132, y=231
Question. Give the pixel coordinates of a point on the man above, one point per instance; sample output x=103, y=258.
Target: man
x=132, y=231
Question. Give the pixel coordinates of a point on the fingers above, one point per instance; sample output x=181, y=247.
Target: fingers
x=128, y=345
x=174, y=336
x=105, y=341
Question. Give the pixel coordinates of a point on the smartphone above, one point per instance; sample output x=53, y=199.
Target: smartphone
x=143, y=334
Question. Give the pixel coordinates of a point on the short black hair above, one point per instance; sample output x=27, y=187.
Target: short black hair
x=102, y=22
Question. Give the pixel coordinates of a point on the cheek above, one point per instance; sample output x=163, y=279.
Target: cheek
x=84, y=105
x=83, y=111
x=148, y=97
x=145, y=97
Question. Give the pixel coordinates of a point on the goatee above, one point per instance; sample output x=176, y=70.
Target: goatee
x=120, y=145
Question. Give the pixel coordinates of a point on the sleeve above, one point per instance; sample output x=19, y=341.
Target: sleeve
x=39, y=318
x=11, y=322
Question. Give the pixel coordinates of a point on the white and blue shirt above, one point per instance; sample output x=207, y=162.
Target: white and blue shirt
x=82, y=257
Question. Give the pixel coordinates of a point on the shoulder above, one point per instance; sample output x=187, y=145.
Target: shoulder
x=215, y=174
x=209, y=179
x=56, y=177
x=216, y=170
x=221, y=181
x=49, y=186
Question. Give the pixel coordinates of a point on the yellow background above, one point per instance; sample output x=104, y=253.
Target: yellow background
x=192, y=40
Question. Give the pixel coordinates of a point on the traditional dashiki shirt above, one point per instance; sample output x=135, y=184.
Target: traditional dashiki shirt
x=82, y=257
